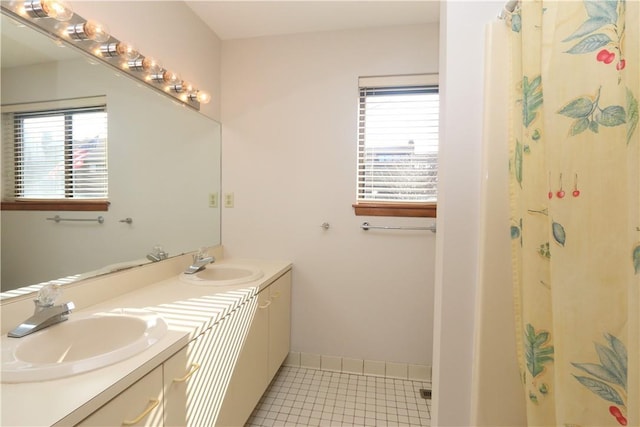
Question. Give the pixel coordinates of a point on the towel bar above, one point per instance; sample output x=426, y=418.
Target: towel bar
x=58, y=218
x=366, y=226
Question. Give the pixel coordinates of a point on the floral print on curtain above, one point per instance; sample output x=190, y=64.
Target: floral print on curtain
x=575, y=209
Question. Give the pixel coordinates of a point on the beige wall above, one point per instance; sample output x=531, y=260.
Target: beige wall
x=289, y=135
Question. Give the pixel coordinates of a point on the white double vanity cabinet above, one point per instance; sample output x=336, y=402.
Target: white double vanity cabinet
x=223, y=346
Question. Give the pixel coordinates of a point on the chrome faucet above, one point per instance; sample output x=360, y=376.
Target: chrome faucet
x=45, y=314
x=157, y=254
x=200, y=260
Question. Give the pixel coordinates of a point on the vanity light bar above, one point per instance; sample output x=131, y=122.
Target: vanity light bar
x=93, y=38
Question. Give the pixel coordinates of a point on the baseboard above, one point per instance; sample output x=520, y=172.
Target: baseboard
x=376, y=368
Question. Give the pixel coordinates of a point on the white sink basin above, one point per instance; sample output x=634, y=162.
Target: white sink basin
x=223, y=275
x=80, y=344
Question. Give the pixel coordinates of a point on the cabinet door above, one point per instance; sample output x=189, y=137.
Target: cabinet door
x=178, y=371
x=279, y=322
x=139, y=405
x=198, y=369
x=249, y=378
x=198, y=376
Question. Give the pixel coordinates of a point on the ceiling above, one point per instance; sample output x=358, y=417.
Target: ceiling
x=245, y=19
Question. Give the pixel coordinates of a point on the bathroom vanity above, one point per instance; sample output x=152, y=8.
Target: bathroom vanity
x=223, y=345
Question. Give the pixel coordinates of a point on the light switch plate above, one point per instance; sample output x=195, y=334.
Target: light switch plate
x=213, y=200
x=228, y=200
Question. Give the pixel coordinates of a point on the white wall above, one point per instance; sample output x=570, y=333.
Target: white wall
x=168, y=31
x=289, y=109
x=462, y=25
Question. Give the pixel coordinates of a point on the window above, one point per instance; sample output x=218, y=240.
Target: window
x=397, y=146
x=55, y=154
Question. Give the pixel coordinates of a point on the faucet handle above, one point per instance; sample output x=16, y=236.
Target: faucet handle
x=200, y=255
x=68, y=307
x=48, y=295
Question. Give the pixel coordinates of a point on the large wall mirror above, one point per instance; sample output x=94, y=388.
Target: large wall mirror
x=163, y=168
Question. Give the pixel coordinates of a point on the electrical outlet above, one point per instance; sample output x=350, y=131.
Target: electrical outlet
x=228, y=200
x=213, y=200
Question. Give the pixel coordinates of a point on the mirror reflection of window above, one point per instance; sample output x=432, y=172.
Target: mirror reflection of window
x=58, y=154
x=39, y=151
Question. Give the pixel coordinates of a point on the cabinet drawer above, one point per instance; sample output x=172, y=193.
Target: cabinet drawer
x=139, y=405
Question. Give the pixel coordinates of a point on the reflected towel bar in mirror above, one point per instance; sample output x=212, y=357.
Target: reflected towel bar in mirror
x=58, y=218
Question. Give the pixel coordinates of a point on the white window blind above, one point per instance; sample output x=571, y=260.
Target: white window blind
x=398, y=139
x=54, y=151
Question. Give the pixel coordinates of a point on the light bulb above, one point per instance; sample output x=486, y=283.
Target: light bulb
x=151, y=65
x=148, y=65
x=127, y=51
x=96, y=32
x=122, y=49
x=90, y=30
x=201, y=96
x=166, y=76
x=56, y=9
x=171, y=77
x=182, y=87
x=204, y=97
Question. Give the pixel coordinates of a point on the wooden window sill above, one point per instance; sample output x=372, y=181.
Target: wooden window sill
x=426, y=210
x=55, y=205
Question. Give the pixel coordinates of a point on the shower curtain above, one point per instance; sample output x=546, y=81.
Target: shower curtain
x=575, y=209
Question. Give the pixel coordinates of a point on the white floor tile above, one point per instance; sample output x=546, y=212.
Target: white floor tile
x=300, y=396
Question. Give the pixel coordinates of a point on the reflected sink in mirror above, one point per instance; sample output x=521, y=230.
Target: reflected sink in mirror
x=80, y=344
x=223, y=275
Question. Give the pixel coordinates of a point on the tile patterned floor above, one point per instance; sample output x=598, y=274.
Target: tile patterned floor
x=307, y=397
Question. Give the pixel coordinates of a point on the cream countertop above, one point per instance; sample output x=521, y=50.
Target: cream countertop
x=188, y=310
